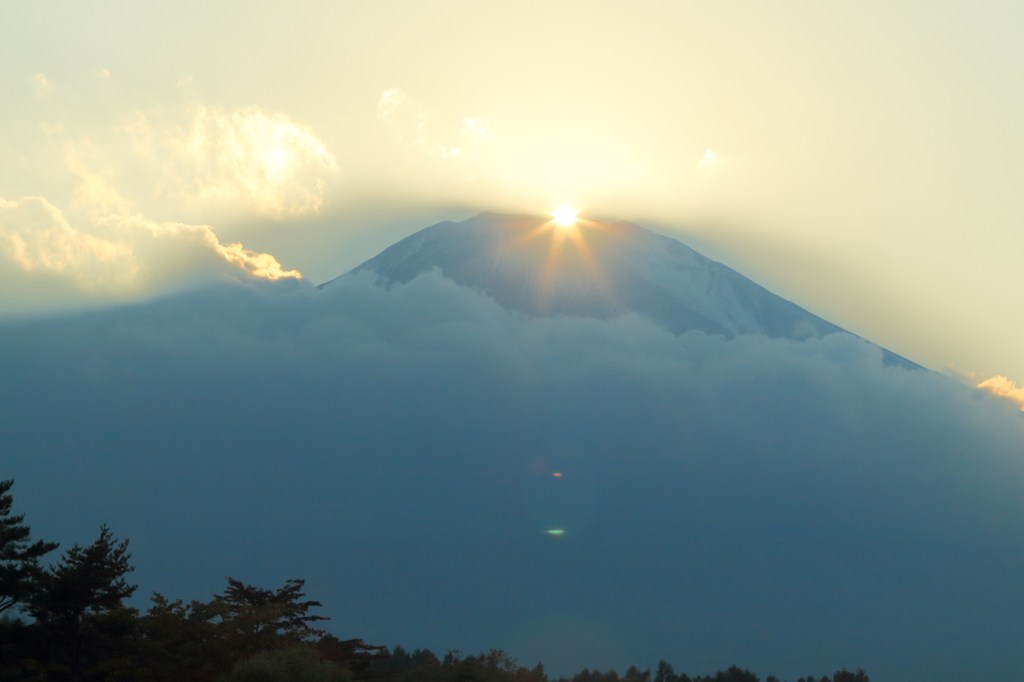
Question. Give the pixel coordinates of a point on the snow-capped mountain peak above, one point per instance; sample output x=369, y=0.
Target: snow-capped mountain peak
x=596, y=269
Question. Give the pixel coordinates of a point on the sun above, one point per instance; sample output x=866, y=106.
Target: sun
x=565, y=216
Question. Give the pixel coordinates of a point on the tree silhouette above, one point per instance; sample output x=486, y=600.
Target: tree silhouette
x=845, y=675
x=19, y=557
x=735, y=674
x=184, y=641
x=258, y=613
x=79, y=603
x=665, y=672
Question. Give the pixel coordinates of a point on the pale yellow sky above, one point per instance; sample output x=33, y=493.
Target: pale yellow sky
x=861, y=159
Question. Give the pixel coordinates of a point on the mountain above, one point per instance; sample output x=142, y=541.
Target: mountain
x=595, y=269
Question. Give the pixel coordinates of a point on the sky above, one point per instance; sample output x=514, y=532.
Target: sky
x=860, y=159
x=177, y=177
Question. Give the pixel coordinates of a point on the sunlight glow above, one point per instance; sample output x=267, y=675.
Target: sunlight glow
x=569, y=257
x=565, y=216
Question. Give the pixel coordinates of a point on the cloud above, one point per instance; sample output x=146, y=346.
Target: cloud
x=103, y=73
x=245, y=158
x=42, y=84
x=467, y=142
x=711, y=490
x=112, y=257
x=390, y=104
x=405, y=115
x=104, y=245
x=1004, y=388
x=35, y=236
x=173, y=249
x=457, y=140
x=260, y=265
x=93, y=192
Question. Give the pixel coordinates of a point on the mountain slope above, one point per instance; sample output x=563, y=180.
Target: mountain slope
x=599, y=270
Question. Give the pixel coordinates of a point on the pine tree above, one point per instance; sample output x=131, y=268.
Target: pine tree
x=257, y=613
x=79, y=603
x=19, y=556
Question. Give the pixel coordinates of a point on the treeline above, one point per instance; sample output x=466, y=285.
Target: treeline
x=69, y=621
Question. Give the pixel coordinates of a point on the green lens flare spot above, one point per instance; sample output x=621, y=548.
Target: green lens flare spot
x=555, y=531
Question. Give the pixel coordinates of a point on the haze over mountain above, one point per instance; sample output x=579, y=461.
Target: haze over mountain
x=748, y=489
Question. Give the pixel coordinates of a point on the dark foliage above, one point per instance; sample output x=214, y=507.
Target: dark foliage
x=80, y=629
x=78, y=605
x=19, y=556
